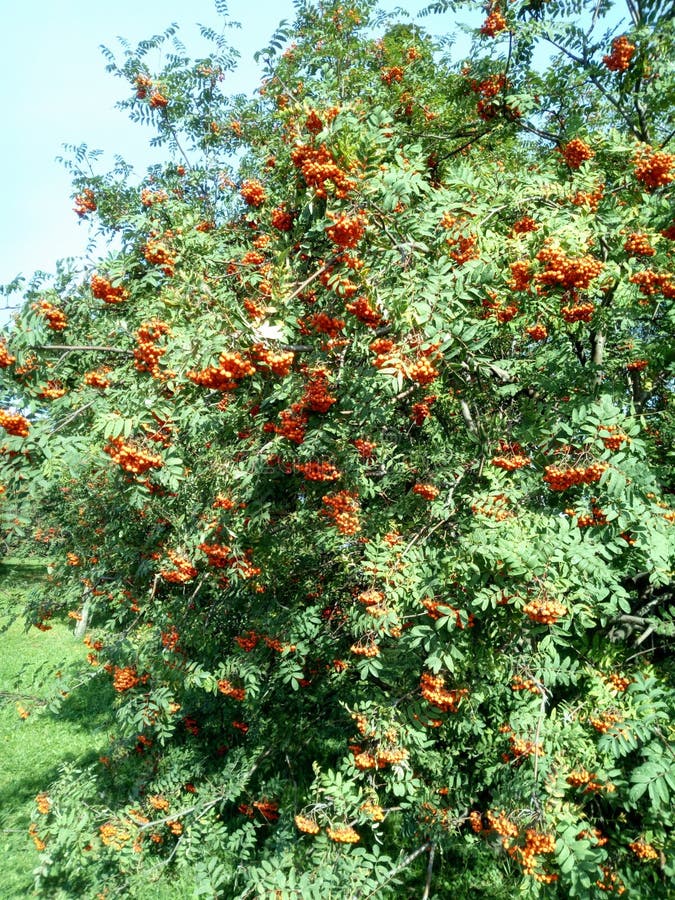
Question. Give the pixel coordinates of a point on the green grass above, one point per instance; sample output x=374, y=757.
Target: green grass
x=33, y=748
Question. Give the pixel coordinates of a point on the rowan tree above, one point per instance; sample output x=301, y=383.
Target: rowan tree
x=355, y=454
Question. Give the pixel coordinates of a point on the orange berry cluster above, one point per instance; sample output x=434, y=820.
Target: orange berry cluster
x=426, y=491
x=373, y=810
x=612, y=438
x=317, y=397
x=537, y=332
x=14, y=423
x=268, y=809
x=566, y=271
x=308, y=826
x=432, y=688
x=421, y=411
x=231, y=368
x=620, y=56
x=521, y=276
x=436, y=609
x=518, y=683
x=253, y=192
x=578, y=312
x=611, y=882
x=98, y=378
x=618, y=683
x=464, y=248
x=584, y=520
x=293, y=424
x=489, y=88
x=605, y=721
x=281, y=219
x=591, y=199
x=366, y=449
x=643, y=850
x=32, y=830
x=382, y=757
x=131, y=458
x=536, y=845
x=318, y=471
x=157, y=254
x=346, y=231
x=561, y=479
x=520, y=749
x=544, y=610
x=150, y=197
x=6, y=359
x=421, y=371
x=147, y=354
x=43, y=803
x=317, y=166
x=56, y=318
x=576, y=152
x=494, y=24
x=278, y=362
x=248, y=641
x=52, y=391
x=182, y=572
x=158, y=100
x=218, y=555
x=325, y=324
x=343, y=834
x=511, y=462
x=125, y=678
x=393, y=73
x=170, y=639
x=496, y=508
x=638, y=244
x=595, y=835
x=522, y=226
x=85, y=203
x=227, y=688
x=102, y=289
x=654, y=167
x=651, y=283
x=364, y=312
x=113, y=836
x=368, y=649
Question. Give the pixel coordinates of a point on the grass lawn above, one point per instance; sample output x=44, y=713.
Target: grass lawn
x=32, y=748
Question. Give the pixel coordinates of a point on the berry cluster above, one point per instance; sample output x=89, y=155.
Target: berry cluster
x=52, y=391
x=638, y=244
x=537, y=332
x=281, y=219
x=518, y=683
x=651, y=283
x=366, y=449
x=317, y=166
x=421, y=371
x=346, y=231
x=576, y=153
x=373, y=810
x=620, y=56
x=6, y=359
x=318, y=471
x=521, y=276
x=150, y=198
x=524, y=225
x=102, y=289
x=393, y=73
x=463, y=248
x=421, y=411
x=494, y=24
x=157, y=254
x=231, y=368
x=342, y=509
x=323, y=324
x=182, y=571
x=317, y=397
x=85, y=203
x=567, y=271
x=654, y=167
x=511, y=462
x=253, y=192
x=56, y=318
x=613, y=439
x=432, y=688
x=364, y=312
x=218, y=555
x=343, y=834
x=561, y=479
x=278, y=362
x=578, y=312
x=132, y=458
x=98, y=378
x=426, y=491
x=643, y=850
x=496, y=508
x=544, y=610
x=605, y=721
x=591, y=199
x=125, y=678
x=146, y=353
x=293, y=424
x=14, y=423
x=436, y=609
x=366, y=648
x=585, y=520
x=308, y=826
x=225, y=687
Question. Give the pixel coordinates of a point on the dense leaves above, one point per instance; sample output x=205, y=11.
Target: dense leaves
x=355, y=456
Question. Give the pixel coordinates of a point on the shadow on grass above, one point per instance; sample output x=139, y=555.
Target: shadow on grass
x=89, y=707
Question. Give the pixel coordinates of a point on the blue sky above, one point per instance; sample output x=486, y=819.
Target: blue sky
x=57, y=92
